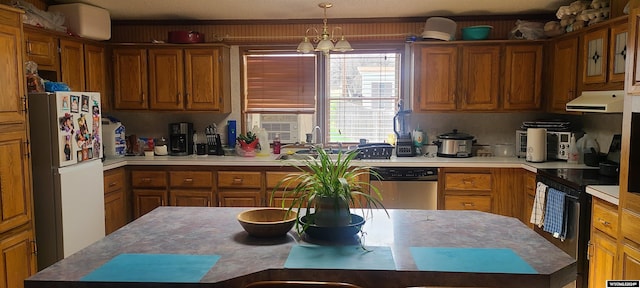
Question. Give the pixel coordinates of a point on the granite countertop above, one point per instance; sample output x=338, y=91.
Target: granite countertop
x=243, y=259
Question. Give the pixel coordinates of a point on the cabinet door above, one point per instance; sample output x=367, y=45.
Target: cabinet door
x=72, y=64
x=522, y=87
x=42, y=49
x=618, y=55
x=629, y=265
x=203, y=81
x=239, y=198
x=601, y=259
x=564, y=67
x=166, y=79
x=115, y=203
x=595, y=56
x=435, y=78
x=95, y=71
x=130, y=78
x=480, y=77
x=197, y=198
x=115, y=213
x=146, y=200
x=15, y=179
x=18, y=259
x=632, y=83
x=11, y=75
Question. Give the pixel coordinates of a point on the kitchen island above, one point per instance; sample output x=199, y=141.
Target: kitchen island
x=244, y=259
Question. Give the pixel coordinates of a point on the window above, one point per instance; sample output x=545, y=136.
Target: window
x=358, y=99
x=364, y=90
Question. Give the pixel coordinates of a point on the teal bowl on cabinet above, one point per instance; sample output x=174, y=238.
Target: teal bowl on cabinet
x=480, y=32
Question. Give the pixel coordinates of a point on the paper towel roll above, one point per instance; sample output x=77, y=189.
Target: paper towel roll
x=536, y=145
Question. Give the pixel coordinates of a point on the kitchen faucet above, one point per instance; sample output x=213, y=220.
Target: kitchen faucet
x=316, y=141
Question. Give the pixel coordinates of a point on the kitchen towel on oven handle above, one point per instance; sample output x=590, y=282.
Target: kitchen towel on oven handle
x=555, y=214
x=537, y=213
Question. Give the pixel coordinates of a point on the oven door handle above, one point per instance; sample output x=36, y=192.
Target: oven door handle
x=574, y=198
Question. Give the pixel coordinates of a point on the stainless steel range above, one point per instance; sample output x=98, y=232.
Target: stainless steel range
x=573, y=182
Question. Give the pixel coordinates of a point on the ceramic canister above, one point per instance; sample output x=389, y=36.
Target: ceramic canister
x=536, y=145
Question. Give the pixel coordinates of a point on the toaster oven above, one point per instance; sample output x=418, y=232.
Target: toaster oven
x=557, y=144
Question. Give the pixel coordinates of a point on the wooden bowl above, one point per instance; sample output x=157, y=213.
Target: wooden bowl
x=267, y=222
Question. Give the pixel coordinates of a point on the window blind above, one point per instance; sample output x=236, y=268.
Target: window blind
x=280, y=83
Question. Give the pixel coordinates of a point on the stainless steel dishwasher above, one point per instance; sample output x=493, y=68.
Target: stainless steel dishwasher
x=407, y=187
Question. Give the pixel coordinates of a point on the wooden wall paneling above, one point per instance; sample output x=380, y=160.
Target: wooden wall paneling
x=276, y=31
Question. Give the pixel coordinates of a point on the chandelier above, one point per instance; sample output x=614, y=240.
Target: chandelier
x=325, y=40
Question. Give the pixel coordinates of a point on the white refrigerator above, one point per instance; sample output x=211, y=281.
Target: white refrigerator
x=68, y=193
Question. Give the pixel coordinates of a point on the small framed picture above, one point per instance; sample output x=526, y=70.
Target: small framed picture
x=75, y=104
x=85, y=103
x=65, y=103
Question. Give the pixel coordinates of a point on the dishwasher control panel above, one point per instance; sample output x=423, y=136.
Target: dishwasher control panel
x=406, y=173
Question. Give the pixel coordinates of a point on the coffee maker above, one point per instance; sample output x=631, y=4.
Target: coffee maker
x=180, y=139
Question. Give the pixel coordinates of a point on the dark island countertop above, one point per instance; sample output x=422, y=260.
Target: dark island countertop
x=244, y=259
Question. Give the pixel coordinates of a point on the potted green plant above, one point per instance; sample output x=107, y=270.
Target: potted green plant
x=247, y=144
x=325, y=187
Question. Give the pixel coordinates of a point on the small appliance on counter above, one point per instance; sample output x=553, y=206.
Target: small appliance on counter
x=181, y=139
x=404, y=141
x=536, y=145
x=455, y=144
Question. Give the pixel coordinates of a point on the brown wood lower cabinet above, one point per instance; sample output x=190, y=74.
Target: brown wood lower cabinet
x=466, y=189
x=240, y=189
x=629, y=264
x=194, y=198
x=115, y=200
x=145, y=200
x=17, y=259
x=602, y=245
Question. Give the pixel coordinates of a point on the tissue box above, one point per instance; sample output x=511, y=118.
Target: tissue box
x=85, y=20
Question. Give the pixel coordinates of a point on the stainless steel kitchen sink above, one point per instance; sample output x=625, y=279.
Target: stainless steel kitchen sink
x=296, y=156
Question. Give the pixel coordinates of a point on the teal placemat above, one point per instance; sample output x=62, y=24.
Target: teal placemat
x=175, y=268
x=492, y=260
x=341, y=257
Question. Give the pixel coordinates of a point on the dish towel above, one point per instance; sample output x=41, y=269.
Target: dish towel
x=537, y=213
x=554, y=213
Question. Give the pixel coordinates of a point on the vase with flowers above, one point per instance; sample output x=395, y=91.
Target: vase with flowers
x=247, y=144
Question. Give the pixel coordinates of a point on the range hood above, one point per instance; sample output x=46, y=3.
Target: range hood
x=598, y=101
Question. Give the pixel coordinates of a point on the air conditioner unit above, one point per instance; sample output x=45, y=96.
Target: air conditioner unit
x=285, y=125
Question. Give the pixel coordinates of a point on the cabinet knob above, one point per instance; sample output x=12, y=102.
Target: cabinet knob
x=467, y=204
x=187, y=180
x=112, y=184
x=142, y=99
x=145, y=180
x=237, y=180
x=604, y=222
x=178, y=98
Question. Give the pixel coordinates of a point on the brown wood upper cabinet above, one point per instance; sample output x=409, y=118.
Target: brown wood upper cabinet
x=604, y=53
x=179, y=79
x=42, y=48
x=72, y=64
x=563, y=66
x=466, y=77
x=130, y=88
x=633, y=68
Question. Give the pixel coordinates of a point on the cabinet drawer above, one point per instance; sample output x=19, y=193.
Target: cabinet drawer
x=456, y=202
x=149, y=179
x=605, y=217
x=467, y=181
x=113, y=180
x=274, y=177
x=631, y=225
x=239, y=179
x=530, y=183
x=196, y=179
